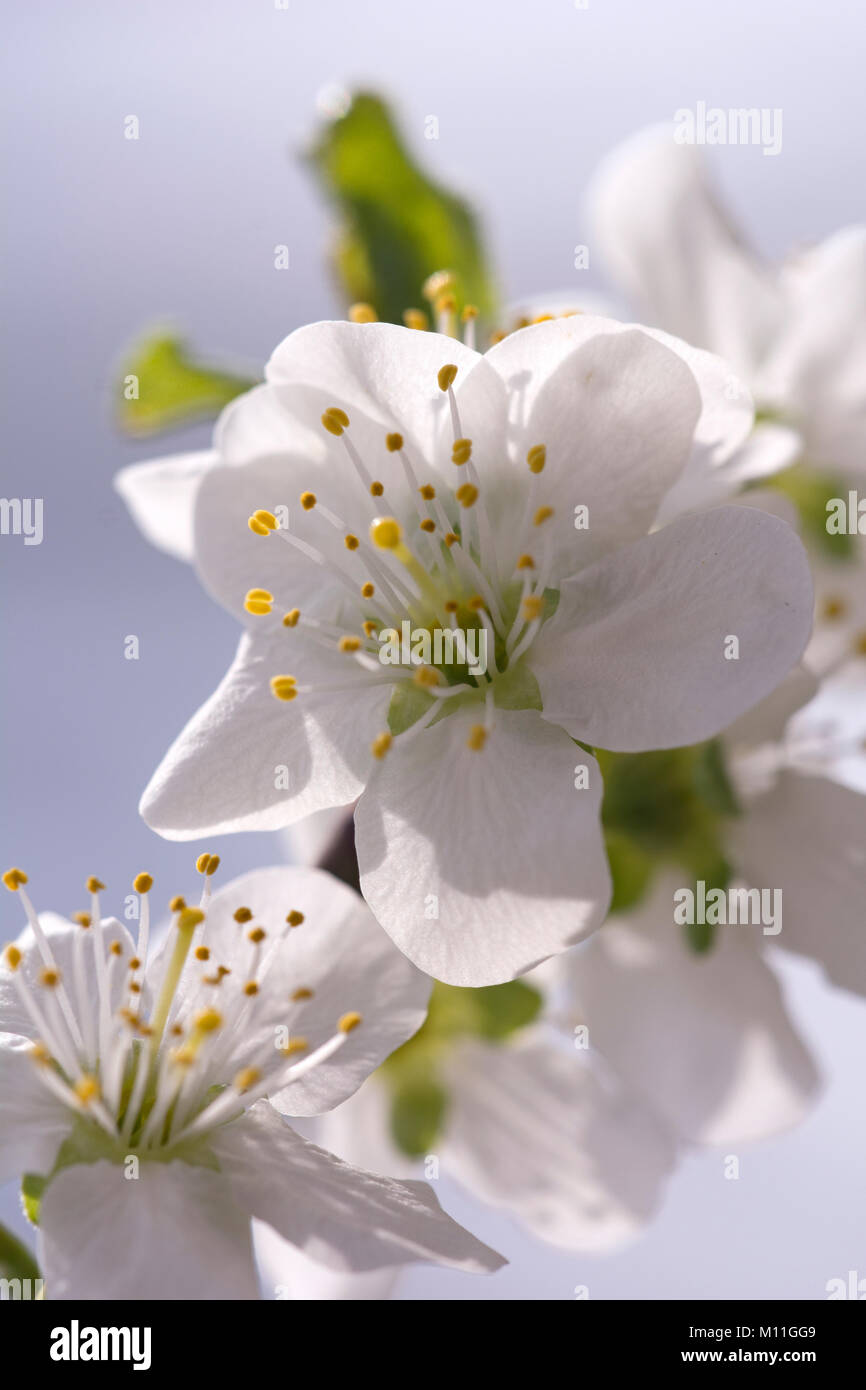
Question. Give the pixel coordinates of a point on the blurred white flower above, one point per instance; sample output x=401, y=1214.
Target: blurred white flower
x=509, y=495
x=796, y=333
x=149, y=1093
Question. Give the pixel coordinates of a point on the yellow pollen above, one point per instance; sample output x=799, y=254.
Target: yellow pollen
x=14, y=878
x=428, y=492
x=142, y=883
x=40, y=1054
x=223, y=970
x=258, y=602
x=370, y=628
x=189, y=918
x=526, y=562
x=445, y=304
x=116, y=949
x=87, y=1089
x=348, y=1022
x=308, y=501
x=451, y=539
x=385, y=533
x=380, y=745
x=437, y=284
x=536, y=458
x=542, y=515
x=251, y=988
x=135, y=989
x=462, y=451
x=290, y=619
x=243, y=914
x=256, y=935
x=497, y=336
x=475, y=604
x=363, y=313
x=351, y=542
x=427, y=675
x=415, y=318
x=135, y=964
x=257, y=528
x=208, y=1021
x=339, y=415
x=295, y=918
x=95, y=885
x=247, y=1078
x=368, y=590
x=470, y=311
x=213, y=865
x=542, y=318
x=467, y=494
x=177, y=904
x=860, y=644
x=266, y=518
x=332, y=424
x=376, y=489
x=299, y=994
x=427, y=525
x=264, y=594
x=446, y=375
x=833, y=608
x=283, y=687
x=82, y=918
x=349, y=644
x=202, y=953
x=201, y=863
x=451, y=605
x=50, y=978
x=12, y=957
x=393, y=442
x=294, y=1045
x=531, y=607
x=477, y=738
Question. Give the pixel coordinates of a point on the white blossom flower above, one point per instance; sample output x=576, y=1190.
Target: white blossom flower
x=147, y=1090
x=796, y=333
x=510, y=495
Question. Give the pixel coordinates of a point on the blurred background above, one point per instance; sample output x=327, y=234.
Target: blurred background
x=108, y=236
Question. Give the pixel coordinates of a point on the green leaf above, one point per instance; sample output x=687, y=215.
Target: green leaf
x=631, y=869
x=417, y=1113
x=501, y=1009
x=16, y=1261
x=711, y=779
x=397, y=225
x=810, y=491
x=162, y=387
x=32, y=1188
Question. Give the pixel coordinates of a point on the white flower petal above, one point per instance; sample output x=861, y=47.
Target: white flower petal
x=705, y=1039
x=223, y=772
x=481, y=863
x=634, y=657
x=161, y=496
x=532, y=1129
x=172, y=1233
x=61, y=935
x=807, y=837
x=288, y=1274
x=35, y=1122
x=339, y=1215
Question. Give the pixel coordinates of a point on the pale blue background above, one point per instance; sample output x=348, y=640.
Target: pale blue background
x=109, y=235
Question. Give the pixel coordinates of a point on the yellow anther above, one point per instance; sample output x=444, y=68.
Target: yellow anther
x=266, y=519
x=542, y=515
x=860, y=644
x=243, y=914
x=202, y=953
x=12, y=957
x=251, y=988
x=177, y=904
x=385, y=532
x=223, y=970
x=497, y=336
x=201, y=863
x=135, y=989
x=348, y=1022
x=393, y=442
x=295, y=918
x=87, y=1089
x=451, y=605
x=833, y=607
x=477, y=738
x=134, y=963
x=184, y=1056
x=40, y=1054
x=349, y=644
x=437, y=284
x=427, y=676
x=445, y=304
x=308, y=501
x=415, y=318
x=213, y=865
x=470, y=311
x=428, y=525
x=351, y=542
x=428, y=492
x=208, y=1021
x=258, y=602
x=526, y=562
x=257, y=528
x=475, y=604
x=542, y=318
x=95, y=885
x=116, y=949
x=446, y=375
x=294, y=1045
x=536, y=458
x=14, y=878
x=339, y=415
x=370, y=628
x=380, y=745
x=332, y=424
x=467, y=494
x=142, y=883
x=82, y=918
x=531, y=607
x=290, y=619
x=299, y=994
x=264, y=594
x=283, y=687
x=363, y=313
x=451, y=539
x=377, y=489
x=189, y=918
x=247, y=1078
x=256, y=935
x=368, y=590
x=462, y=451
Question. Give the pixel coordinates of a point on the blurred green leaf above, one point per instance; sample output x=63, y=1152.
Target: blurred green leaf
x=397, y=226
x=417, y=1112
x=16, y=1261
x=810, y=491
x=631, y=869
x=162, y=387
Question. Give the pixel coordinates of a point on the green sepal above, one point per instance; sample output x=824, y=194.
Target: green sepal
x=173, y=389
x=16, y=1261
